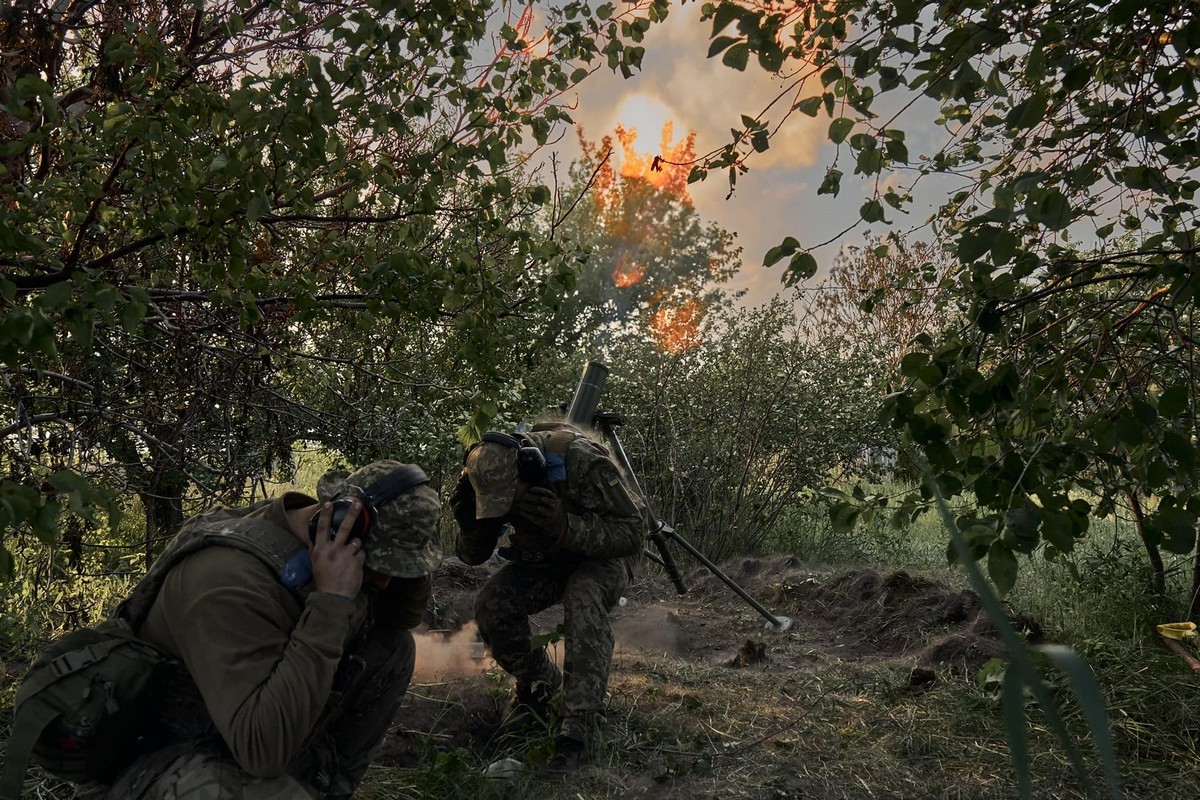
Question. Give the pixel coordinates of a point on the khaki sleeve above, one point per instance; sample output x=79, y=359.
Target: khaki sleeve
x=265, y=675
x=606, y=520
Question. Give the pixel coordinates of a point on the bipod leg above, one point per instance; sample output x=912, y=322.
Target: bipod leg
x=665, y=558
x=774, y=623
x=663, y=532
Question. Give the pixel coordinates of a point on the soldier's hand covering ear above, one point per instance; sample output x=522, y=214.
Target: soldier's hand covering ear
x=543, y=508
x=462, y=503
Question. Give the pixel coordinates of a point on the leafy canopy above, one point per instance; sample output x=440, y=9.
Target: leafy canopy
x=1070, y=129
x=197, y=198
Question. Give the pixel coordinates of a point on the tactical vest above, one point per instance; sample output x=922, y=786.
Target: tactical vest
x=99, y=697
x=276, y=547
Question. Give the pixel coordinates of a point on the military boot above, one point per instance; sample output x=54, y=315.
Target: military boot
x=579, y=740
x=569, y=755
x=530, y=708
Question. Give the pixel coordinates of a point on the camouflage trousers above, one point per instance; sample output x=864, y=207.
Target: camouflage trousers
x=588, y=590
x=371, y=682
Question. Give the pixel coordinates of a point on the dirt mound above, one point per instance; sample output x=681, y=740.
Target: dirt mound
x=859, y=614
x=868, y=614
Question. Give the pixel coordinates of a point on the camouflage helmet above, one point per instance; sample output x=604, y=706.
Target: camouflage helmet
x=403, y=542
x=492, y=469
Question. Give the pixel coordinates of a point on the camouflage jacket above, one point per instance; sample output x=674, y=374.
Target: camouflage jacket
x=605, y=519
x=262, y=657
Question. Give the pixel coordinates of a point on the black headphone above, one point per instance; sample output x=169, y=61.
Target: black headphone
x=531, y=462
x=389, y=487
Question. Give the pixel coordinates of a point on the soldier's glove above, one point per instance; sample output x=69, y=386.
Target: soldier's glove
x=462, y=503
x=543, y=509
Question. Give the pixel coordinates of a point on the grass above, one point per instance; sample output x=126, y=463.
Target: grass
x=679, y=728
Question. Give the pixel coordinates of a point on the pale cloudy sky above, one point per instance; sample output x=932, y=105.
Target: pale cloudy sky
x=777, y=198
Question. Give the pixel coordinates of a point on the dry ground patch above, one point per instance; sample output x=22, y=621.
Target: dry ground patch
x=874, y=692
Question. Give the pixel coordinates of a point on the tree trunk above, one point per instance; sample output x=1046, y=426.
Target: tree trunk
x=1158, y=574
x=163, y=506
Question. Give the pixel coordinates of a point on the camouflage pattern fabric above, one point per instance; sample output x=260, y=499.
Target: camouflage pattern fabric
x=355, y=721
x=492, y=470
x=585, y=567
x=588, y=590
x=202, y=772
x=403, y=541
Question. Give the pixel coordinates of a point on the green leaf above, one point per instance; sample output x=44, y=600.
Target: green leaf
x=913, y=363
x=132, y=314
x=737, y=57
x=7, y=565
x=832, y=183
x=77, y=489
x=1012, y=704
x=1175, y=400
x=801, y=267
x=726, y=13
x=839, y=129
x=1049, y=207
x=257, y=206
x=1091, y=701
x=1178, y=529
x=1021, y=525
x=1058, y=530
x=843, y=517
x=720, y=44
x=56, y=296
x=782, y=250
x=809, y=106
x=1002, y=567
x=871, y=211
x=1179, y=448
x=975, y=244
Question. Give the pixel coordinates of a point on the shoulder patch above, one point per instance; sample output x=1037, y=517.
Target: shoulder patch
x=611, y=477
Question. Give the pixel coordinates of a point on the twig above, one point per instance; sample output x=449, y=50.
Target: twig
x=1182, y=651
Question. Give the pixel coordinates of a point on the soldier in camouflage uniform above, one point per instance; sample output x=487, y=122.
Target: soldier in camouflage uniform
x=291, y=665
x=574, y=536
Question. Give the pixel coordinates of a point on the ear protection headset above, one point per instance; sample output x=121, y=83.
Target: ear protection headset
x=531, y=462
x=388, y=487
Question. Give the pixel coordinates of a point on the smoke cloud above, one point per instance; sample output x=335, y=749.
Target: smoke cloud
x=654, y=628
x=442, y=655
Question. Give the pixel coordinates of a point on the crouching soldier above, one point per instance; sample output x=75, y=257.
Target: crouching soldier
x=576, y=538
x=289, y=624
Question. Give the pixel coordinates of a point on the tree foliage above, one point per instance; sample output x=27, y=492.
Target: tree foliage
x=652, y=262
x=881, y=296
x=1065, y=123
x=726, y=435
x=226, y=225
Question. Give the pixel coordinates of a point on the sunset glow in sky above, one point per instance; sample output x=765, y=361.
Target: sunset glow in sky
x=678, y=84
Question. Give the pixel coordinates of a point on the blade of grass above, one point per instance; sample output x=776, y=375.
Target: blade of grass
x=1027, y=674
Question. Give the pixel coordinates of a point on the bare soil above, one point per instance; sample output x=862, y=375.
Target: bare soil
x=871, y=693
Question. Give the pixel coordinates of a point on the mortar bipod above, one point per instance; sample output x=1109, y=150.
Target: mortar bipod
x=661, y=534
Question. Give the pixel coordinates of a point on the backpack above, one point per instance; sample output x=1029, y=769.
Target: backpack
x=86, y=708
x=89, y=705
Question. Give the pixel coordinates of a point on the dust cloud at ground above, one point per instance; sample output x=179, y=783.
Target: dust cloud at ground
x=444, y=654
x=651, y=629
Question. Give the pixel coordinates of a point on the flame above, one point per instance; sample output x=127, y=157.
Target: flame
x=626, y=274
x=677, y=328
x=673, y=324
x=668, y=171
